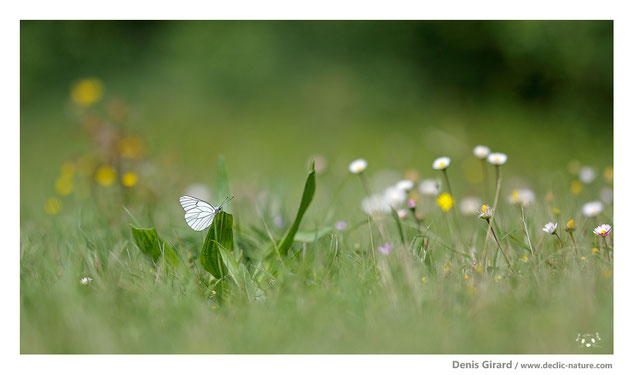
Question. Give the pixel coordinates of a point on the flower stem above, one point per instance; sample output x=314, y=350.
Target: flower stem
x=485, y=179
x=500, y=247
x=559, y=238
x=607, y=249
x=575, y=243
x=530, y=245
x=498, y=176
x=444, y=172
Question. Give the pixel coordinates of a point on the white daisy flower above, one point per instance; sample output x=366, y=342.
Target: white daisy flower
x=550, y=228
x=429, y=186
x=85, y=280
x=358, y=166
x=395, y=196
x=470, y=205
x=592, y=209
x=587, y=174
x=602, y=230
x=441, y=163
x=405, y=185
x=481, y=152
x=522, y=196
x=497, y=158
x=486, y=212
x=376, y=203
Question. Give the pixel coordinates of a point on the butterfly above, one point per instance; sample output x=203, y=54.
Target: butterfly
x=199, y=214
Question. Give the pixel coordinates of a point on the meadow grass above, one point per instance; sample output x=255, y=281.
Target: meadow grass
x=330, y=291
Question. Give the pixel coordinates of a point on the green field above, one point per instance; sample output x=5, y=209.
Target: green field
x=119, y=119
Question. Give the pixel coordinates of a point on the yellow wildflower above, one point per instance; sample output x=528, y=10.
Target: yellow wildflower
x=576, y=187
x=556, y=211
x=53, y=206
x=87, y=92
x=466, y=276
x=570, y=225
x=129, y=179
x=445, y=201
x=424, y=279
x=68, y=169
x=106, y=175
x=131, y=147
x=583, y=257
x=64, y=186
x=525, y=258
x=595, y=251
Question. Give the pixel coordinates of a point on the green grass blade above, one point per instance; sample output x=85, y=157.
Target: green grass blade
x=220, y=234
x=222, y=183
x=307, y=197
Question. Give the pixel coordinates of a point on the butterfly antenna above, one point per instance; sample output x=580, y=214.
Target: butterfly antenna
x=226, y=200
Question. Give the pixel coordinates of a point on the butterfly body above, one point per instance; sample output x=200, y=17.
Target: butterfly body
x=199, y=214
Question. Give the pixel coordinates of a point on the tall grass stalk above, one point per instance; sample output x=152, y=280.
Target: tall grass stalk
x=498, y=178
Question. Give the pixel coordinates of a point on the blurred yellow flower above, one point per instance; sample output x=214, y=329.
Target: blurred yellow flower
x=424, y=279
x=87, y=92
x=497, y=278
x=64, y=185
x=129, y=179
x=595, y=251
x=131, y=147
x=607, y=274
x=68, y=169
x=570, y=225
x=479, y=268
x=446, y=267
x=53, y=206
x=106, y=175
x=445, y=201
x=525, y=258
x=608, y=174
x=583, y=258
x=576, y=187
x=556, y=211
x=466, y=276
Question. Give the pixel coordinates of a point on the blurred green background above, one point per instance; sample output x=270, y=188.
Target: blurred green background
x=269, y=95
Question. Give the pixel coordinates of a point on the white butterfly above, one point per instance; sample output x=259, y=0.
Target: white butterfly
x=199, y=214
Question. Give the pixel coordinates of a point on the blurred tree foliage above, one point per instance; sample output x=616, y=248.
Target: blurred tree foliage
x=548, y=64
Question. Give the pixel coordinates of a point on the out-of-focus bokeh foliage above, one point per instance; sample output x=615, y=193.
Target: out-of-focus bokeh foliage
x=401, y=91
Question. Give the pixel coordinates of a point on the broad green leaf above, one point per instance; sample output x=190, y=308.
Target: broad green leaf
x=150, y=244
x=222, y=183
x=307, y=197
x=220, y=234
x=311, y=236
x=232, y=265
